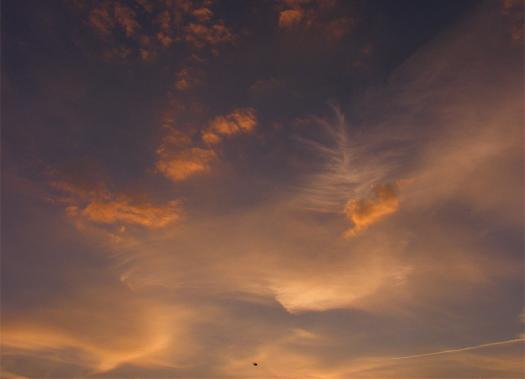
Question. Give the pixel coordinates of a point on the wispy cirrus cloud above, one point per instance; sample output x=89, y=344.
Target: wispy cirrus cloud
x=427, y=168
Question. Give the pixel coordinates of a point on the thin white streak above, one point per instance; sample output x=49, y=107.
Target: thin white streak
x=451, y=351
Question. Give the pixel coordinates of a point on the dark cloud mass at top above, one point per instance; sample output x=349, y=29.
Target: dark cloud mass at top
x=284, y=188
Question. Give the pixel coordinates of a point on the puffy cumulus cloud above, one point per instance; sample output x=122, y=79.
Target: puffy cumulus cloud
x=241, y=120
x=364, y=212
x=180, y=165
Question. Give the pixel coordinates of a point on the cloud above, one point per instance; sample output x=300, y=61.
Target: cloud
x=514, y=12
x=126, y=18
x=364, y=212
x=122, y=210
x=181, y=165
x=124, y=28
x=321, y=17
x=290, y=17
x=240, y=120
x=182, y=155
x=202, y=14
x=95, y=203
x=270, y=280
x=100, y=20
x=200, y=35
x=188, y=78
x=124, y=329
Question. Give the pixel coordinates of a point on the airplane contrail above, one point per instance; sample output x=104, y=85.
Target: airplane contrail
x=450, y=351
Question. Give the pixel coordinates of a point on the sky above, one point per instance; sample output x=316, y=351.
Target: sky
x=313, y=189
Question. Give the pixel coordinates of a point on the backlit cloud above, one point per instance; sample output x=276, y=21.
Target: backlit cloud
x=290, y=17
x=179, y=207
x=383, y=201
x=183, y=164
x=241, y=120
x=98, y=205
x=126, y=26
x=322, y=17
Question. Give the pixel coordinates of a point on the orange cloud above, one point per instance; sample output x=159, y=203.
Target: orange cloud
x=202, y=14
x=122, y=210
x=290, y=17
x=323, y=17
x=100, y=19
x=241, y=120
x=80, y=191
x=126, y=329
x=199, y=35
x=163, y=23
x=95, y=203
x=366, y=211
x=182, y=156
x=181, y=165
x=126, y=18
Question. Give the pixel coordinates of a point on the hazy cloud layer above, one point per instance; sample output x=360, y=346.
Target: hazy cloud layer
x=191, y=211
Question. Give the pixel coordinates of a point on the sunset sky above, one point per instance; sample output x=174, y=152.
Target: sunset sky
x=293, y=189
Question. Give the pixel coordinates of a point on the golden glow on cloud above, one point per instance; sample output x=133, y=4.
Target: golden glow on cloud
x=241, y=120
x=141, y=332
x=172, y=22
x=121, y=210
x=364, y=212
x=200, y=35
x=97, y=204
x=188, y=265
x=179, y=158
x=181, y=165
x=290, y=17
x=322, y=17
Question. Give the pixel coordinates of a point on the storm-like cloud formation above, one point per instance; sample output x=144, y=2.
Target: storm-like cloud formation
x=200, y=193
